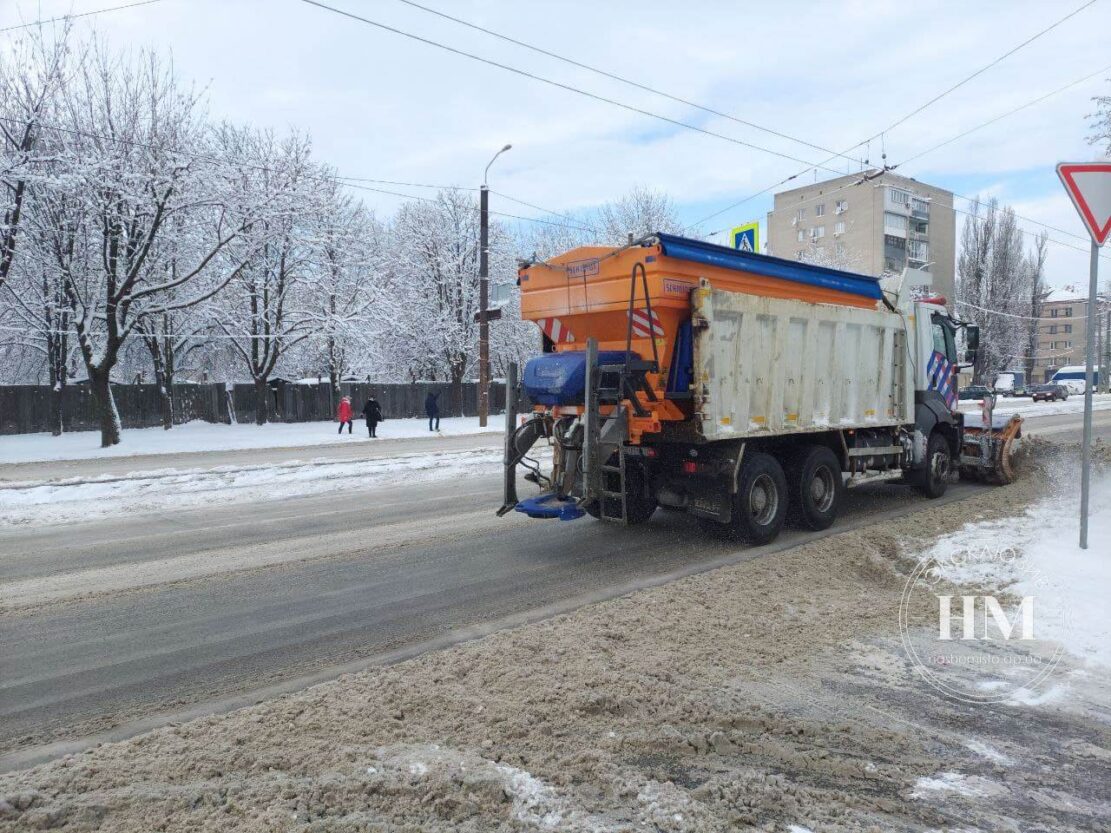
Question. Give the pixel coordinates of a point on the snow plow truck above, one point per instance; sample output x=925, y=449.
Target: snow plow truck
x=744, y=389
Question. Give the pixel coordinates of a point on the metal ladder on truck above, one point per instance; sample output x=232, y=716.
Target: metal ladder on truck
x=608, y=387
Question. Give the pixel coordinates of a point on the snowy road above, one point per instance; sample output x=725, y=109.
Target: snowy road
x=111, y=627
x=376, y=577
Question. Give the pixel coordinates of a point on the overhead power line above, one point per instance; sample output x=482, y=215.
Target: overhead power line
x=615, y=77
x=44, y=21
x=560, y=85
x=1002, y=116
x=900, y=120
x=984, y=68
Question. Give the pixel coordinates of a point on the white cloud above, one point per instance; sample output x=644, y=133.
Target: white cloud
x=379, y=105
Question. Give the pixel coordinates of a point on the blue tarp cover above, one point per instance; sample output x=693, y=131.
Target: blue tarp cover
x=773, y=267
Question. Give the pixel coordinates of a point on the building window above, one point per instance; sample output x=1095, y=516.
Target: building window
x=817, y=233
x=1053, y=312
x=839, y=227
x=802, y=235
x=840, y=248
x=894, y=223
x=1068, y=328
x=820, y=209
x=918, y=250
x=919, y=206
x=899, y=197
x=1052, y=329
x=1068, y=312
x=842, y=206
x=800, y=215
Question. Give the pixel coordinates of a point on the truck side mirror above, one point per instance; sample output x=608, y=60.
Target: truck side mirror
x=972, y=338
x=971, y=343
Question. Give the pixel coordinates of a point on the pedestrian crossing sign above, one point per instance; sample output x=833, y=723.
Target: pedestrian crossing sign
x=746, y=237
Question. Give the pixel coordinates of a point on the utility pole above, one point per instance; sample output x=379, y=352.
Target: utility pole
x=484, y=295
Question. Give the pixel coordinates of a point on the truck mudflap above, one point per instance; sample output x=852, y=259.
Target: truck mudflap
x=987, y=451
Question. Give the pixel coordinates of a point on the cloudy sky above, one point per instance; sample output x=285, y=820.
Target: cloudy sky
x=383, y=106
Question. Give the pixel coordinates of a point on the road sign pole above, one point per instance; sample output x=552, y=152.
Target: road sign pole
x=1088, y=185
x=1089, y=383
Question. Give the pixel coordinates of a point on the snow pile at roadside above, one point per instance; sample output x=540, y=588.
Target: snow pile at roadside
x=165, y=489
x=1025, y=406
x=208, y=436
x=1039, y=555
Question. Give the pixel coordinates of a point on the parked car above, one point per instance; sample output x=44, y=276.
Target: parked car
x=1049, y=393
x=977, y=392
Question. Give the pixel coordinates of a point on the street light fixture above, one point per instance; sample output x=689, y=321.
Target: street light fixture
x=484, y=294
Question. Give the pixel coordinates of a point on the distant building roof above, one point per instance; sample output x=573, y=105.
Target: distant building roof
x=1067, y=293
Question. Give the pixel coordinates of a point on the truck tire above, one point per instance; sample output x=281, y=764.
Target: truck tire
x=760, y=505
x=816, y=485
x=933, y=478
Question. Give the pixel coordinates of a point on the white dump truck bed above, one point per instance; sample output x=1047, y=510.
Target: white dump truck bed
x=765, y=366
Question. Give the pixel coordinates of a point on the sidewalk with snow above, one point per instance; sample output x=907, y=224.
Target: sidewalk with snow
x=208, y=436
x=1042, y=557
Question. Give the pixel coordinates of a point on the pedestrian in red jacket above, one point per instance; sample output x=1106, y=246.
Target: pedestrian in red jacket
x=343, y=414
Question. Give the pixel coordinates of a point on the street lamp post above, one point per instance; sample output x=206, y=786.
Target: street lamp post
x=484, y=295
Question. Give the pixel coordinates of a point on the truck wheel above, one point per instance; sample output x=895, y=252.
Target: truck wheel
x=933, y=478
x=760, y=505
x=816, y=488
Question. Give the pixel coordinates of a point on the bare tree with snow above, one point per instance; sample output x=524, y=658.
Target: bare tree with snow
x=1101, y=124
x=30, y=78
x=128, y=175
x=640, y=212
x=265, y=311
x=993, y=286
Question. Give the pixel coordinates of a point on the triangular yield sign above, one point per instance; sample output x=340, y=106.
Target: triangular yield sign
x=1089, y=186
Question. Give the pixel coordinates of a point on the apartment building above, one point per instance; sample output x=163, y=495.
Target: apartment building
x=1063, y=334
x=875, y=225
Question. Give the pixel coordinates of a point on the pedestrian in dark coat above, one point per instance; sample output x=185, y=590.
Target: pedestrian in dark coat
x=343, y=414
x=432, y=408
x=372, y=412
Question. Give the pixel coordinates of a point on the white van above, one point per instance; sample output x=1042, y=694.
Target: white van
x=1073, y=377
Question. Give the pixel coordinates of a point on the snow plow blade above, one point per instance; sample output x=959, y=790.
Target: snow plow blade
x=987, y=454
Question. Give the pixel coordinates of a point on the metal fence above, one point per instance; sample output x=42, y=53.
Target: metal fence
x=26, y=409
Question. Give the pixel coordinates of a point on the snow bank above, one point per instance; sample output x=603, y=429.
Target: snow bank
x=207, y=436
x=1043, y=558
x=1025, y=406
x=83, y=500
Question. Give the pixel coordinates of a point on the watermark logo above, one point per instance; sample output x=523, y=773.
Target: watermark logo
x=969, y=624
x=989, y=605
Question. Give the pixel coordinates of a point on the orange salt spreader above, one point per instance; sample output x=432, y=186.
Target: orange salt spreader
x=616, y=376
x=638, y=299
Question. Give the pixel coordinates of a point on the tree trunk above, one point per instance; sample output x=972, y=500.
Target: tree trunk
x=57, y=391
x=262, y=402
x=457, y=372
x=166, y=403
x=105, y=407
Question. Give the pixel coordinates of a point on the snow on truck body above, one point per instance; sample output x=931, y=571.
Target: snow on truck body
x=732, y=385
